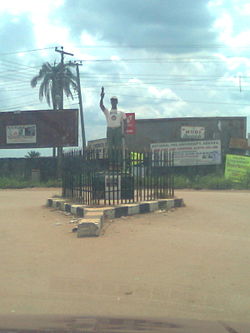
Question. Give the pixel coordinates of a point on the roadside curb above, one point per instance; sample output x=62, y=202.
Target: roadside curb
x=92, y=219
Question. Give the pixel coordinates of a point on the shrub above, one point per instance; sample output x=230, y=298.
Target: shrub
x=211, y=181
x=181, y=181
x=216, y=182
x=11, y=182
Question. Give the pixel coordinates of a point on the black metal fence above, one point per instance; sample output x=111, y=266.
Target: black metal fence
x=111, y=177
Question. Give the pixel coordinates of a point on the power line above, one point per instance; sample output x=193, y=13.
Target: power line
x=190, y=60
x=136, y=46
x=154, y=46
x=143, y=97
x=184, y=100
x=164, y=84
x=27, y=51
x=155, y=60
x=19, y=65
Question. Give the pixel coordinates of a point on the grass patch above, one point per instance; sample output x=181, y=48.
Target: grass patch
x=182, y=181
x=212, y=182
x=15, y=183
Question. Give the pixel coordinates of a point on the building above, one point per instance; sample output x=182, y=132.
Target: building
x=149, y=131
x=199, y=141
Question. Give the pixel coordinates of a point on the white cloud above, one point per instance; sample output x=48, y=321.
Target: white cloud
x=162, y=93
x=186, y=82
x=115, y=58
x=17, y=7
x=87, y=39
x=45, y=31
x=225, y=26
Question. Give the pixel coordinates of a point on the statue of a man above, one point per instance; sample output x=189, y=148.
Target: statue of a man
x=116, y=122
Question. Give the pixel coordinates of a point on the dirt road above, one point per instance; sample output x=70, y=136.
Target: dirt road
x=191, y=263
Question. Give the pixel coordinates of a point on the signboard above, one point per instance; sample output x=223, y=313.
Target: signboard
x=112, y=187
x=131, y=125
x=192, y=132
x=237, y=167
x=21, y=134
x=189, y=152
x=39, y=129
x=237, y=143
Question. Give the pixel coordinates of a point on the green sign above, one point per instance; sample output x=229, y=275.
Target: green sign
x=237, y=167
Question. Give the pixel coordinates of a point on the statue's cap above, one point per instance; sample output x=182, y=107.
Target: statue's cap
x=114, y=97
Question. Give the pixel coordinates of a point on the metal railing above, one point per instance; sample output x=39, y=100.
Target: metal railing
x=111, y=177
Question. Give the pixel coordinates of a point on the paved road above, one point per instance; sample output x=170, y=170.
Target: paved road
x=192, y=262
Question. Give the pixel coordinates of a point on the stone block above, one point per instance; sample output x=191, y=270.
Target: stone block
x=144, y=208
x=67, y=207
x=57, y=203
x=170, y=203
x=121, y=211
x=61, y=205
x=162, y=204
x=153, y=206
x=77, y=210
x=109, y=213
x=80, y=211
x=49, y=202
x=178, y=202
x=54, y=203
x=90, y=227
x=133, y=209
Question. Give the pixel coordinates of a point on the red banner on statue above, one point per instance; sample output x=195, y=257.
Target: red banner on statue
x=130, y=128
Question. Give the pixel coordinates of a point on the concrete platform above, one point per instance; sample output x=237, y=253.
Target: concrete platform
x=93, y=217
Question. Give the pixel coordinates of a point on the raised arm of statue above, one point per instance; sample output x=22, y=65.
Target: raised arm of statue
x=101, y=100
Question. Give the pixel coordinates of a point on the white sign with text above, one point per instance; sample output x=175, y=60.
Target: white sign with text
x=188, y=153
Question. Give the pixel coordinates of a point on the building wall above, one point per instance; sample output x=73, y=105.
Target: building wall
x=169, y=130
x=98, y=144
x=22, y=167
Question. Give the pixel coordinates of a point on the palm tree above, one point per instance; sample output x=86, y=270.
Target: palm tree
x=55, y=80
x=33, y=154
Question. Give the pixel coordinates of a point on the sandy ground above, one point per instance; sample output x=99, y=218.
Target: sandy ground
x=192, y=262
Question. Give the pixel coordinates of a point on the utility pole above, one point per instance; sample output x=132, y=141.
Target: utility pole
x=77, y=64
x=62, y=52
x=60, y=149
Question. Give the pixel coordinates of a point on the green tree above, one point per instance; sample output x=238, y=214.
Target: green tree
x=55, y=80
x=32, y=154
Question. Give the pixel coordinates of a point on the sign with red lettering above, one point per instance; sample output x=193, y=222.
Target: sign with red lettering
x=130, y=128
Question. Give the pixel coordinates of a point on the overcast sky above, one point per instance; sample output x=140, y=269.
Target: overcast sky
x=162, y=58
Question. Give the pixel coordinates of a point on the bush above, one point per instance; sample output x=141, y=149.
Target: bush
x=212, y=181
x=215, y=182
x=244, y=184
x=181, y=181
x=246, y=180
x=11, y=182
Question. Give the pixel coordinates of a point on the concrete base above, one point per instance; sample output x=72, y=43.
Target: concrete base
x=92, y=223
x=153, y=206
x=77, y=210
x=90, y=227
x=109, y=213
